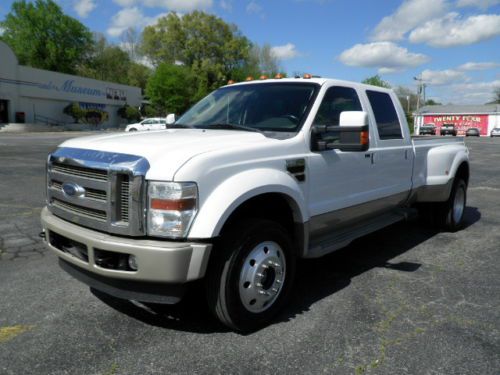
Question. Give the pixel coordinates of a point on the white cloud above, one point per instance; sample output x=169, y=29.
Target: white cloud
x=386, y=56
x=227, y=5
x=451, y=30
x=410, y=14
x=130, y=17
x=481, y=4
x=124, y=19
x=285, y=52
x=472, y=93
x=442, y=77
x=479, y=66
x=253, y=8
x=173, y=5
x=84, y=7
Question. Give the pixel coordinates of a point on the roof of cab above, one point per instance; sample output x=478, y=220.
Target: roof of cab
x=317, y=80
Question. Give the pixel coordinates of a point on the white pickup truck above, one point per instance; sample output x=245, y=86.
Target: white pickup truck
x=252, y=178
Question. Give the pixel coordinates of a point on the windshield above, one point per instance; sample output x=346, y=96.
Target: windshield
x=277, y=107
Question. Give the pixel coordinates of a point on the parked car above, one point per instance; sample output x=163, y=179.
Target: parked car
x=448, y=129
x=155, y=123
x=254, y=177
x=495, y=132
x=427, y=129
x=472, y=132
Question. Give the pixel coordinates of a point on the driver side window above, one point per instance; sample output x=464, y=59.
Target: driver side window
x=337, y=99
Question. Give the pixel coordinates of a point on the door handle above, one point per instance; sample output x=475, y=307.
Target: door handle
x=369, y=155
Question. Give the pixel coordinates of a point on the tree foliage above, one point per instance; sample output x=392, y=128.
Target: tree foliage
x=42, y=36
x=74, y=110
x=129, y=113
x=170, y=88
x=376, y=80
x=204, y=43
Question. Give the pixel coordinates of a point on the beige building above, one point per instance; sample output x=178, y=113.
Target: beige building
x=36, y=96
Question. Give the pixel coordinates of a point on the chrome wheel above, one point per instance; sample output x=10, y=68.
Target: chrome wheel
x=262, y=276
x=459, y=204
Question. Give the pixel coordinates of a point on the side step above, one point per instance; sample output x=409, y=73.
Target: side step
x=343, y=237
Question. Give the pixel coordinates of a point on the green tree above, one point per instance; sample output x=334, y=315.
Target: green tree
x=106, y=62
x=432, y=102
x=376, y=81
x=202, y=42
x=170, y=88
x=42, y=36
x=129, y=113
x=138, y=75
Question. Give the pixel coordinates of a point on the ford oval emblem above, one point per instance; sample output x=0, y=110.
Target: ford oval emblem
x=73, y=190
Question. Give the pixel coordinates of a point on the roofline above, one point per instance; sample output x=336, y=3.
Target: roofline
x=456, y=113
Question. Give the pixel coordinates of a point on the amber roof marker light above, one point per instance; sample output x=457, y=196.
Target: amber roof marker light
x=278, y=76
x=307, y=76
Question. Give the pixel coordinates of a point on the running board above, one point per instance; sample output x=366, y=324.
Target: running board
x=344, y=237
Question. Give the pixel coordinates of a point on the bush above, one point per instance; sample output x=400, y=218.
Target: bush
x=129, y=113
x=74, y=111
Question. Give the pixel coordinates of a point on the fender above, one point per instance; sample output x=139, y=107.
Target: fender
x=230, y=194
x=443, y=162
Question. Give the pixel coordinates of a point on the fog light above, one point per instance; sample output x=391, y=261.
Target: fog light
x=132, y=262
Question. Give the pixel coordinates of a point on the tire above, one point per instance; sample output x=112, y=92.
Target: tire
x=450, y=214
x=251, y=275
x=133, y=130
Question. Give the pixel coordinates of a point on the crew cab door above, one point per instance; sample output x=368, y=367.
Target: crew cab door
x=343, y=185
x=391, y=151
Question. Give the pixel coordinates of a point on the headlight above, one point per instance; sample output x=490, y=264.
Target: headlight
x=172, y=207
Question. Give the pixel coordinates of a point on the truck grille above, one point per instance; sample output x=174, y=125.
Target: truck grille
x=80, y=210
x=99, y=190
x=72, y=170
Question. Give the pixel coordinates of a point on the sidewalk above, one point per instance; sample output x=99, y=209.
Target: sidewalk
x=36, y=128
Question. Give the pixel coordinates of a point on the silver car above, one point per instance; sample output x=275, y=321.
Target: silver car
x=495, y=132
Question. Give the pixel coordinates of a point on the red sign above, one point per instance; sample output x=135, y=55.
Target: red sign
x=461, y=122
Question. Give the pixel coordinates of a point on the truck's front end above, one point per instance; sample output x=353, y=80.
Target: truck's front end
x=117, y=232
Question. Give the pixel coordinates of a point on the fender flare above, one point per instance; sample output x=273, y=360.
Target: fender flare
x=220, y=203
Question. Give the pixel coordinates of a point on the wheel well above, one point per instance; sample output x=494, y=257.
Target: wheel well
x=463, y=172
x=272, y=206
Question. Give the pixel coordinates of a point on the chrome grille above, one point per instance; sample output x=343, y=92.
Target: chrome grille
x=124, y=198
x=107, y=189
x=73, y=170
x=83, y=211
x=99, y=195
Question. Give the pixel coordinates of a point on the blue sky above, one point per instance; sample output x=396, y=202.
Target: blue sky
x=453, y=44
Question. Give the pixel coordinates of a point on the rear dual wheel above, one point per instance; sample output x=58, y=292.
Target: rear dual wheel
x=251, y=274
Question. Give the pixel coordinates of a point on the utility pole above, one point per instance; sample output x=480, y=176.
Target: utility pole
x=420, y=88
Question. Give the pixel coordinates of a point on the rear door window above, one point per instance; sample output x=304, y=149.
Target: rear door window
x=385, y=115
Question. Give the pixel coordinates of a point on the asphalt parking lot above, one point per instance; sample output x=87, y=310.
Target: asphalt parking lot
x=404, y=300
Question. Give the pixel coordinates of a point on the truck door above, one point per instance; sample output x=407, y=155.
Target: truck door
x=392, y=150
x=343, y=186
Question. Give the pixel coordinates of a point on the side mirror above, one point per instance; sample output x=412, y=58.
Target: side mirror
x=352, y=133
x=171, y=118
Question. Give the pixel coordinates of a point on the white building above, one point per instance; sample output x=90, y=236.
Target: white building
x=29, y=95
x=482, y=117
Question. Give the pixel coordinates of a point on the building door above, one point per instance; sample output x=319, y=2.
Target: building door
x=4, y=111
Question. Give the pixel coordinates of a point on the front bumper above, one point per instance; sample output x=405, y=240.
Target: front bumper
x=166, y=262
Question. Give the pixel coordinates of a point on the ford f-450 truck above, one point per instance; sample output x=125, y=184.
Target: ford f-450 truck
x=252, y=178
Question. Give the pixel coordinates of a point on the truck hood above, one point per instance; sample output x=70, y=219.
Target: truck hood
x=168, y=149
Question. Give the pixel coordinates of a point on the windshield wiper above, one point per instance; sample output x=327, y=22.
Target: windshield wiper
x=231, y=126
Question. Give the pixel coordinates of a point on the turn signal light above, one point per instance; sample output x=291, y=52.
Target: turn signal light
x=364, y=137
x=173, y=205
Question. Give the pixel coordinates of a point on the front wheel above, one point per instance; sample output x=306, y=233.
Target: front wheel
x=251, y=274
